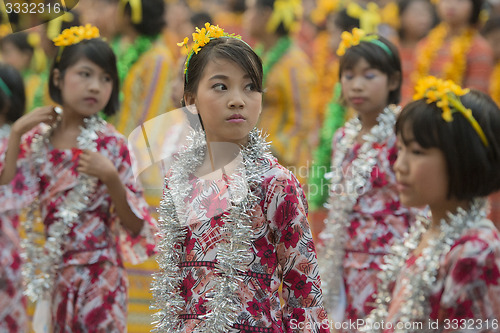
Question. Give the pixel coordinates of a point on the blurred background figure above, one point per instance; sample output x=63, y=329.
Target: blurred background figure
x=13, y=303
x=454, y=49
x=288, y=113
x=416, y=19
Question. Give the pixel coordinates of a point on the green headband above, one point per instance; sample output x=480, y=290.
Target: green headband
x=382, y=45
x=5, y=88
x=357, y=36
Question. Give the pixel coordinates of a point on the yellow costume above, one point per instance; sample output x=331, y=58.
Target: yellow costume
x=288, y=115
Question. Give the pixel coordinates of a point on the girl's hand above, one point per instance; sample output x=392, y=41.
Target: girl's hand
x=97, y=165
x=45, y=114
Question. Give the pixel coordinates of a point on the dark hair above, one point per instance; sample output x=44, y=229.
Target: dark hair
x=477, y=6
x=153, y=21
x=97, y=51
x=14, y=104
x=281, y=30
x=237, y=6
x=377, y=58
x=491, y=25
x=224, y=48
x=199, y=19
x=221, y=48
x=344, y=21
x=473, y=169
x=20, y=41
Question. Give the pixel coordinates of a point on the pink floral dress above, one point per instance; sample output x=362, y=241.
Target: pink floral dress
x=376, y=221
x=282, y=249
x=13, y=317
x=466, y=294
x=90, y=291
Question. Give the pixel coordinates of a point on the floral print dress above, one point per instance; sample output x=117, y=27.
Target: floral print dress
x=282, y=249
x=465, y=296
x=90, y=291
x=376, y=221
x=13, y=316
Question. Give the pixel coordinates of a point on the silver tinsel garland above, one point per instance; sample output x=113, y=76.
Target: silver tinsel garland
x=416, y=307
x=4, y=131
x=340, y=205
x=233, y=255
x=42, y=263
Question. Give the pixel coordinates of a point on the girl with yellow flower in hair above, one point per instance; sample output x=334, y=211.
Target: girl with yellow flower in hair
x=447, y=269
x=454, y=50
x=232, y=233
x=365, y=215
x=73, y=173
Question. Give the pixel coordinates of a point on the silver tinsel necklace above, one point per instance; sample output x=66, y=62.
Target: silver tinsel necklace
x=418, y=288
x=41, y=264
x=4, y=131
x=341, y=203
x=233, y=251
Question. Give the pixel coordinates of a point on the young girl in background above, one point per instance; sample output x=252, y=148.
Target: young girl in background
x=13, y=317
x=335, y=115
x=417, y=18
x=223, y=261
x=77, y=173
x=24, y=51
x=365, y=216
x=448, y=267
x=454, y=50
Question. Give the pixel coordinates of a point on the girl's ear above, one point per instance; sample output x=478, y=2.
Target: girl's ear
x=56, y=78
x=394, y=81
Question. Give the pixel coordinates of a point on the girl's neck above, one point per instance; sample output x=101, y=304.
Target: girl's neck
x=368, y=121
x=455, y=30
x=129, y=35
x=71, y=122
x=2, y=120
x=221, y=157
x=409, y=41
x=440, y=211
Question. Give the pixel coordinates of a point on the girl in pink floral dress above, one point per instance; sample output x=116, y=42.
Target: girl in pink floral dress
x=447, y=270
x=232, y=233
x=13, y=317
x=365, y=216
x=73, y=172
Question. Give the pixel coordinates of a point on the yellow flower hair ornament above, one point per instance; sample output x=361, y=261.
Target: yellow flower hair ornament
x=75, y=35
x=323, y=9
x=355, y=38
x=288, y=12
x=201, y=38
x=369, y=18
x=445, y=93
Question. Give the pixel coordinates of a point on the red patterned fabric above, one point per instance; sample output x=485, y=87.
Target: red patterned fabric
x=13, y=317
x=376, y=221
x=467, y=288
x=98, y=236
x=282, y=250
